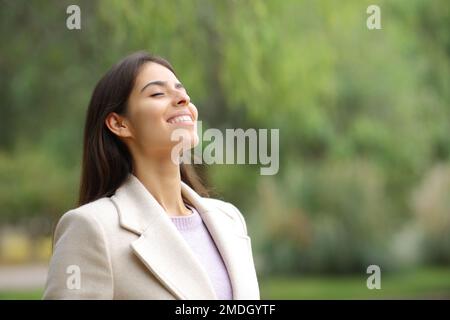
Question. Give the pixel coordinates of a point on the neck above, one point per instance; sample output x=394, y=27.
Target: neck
x=161, y=177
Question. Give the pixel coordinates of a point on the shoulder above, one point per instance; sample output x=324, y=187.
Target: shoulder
x=79, y=241
x=97, y=208
x=88, y=218
x=229, y=209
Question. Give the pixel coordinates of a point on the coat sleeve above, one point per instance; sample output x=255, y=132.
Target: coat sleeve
x=80, y=266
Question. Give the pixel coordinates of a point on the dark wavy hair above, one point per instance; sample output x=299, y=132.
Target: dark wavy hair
x=106, y=159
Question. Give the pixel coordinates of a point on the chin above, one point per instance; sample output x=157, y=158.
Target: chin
x=184, y=139
x=191, y=142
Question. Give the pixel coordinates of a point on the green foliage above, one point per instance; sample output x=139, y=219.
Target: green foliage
x=431, y=206
x=35, y=184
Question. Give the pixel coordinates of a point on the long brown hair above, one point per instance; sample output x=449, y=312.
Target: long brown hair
x=106, y=159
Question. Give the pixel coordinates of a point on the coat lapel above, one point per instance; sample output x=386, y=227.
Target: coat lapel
x=234, y=247
x=165, y=253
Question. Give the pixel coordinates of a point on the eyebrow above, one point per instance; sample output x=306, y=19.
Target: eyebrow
x=160, y=83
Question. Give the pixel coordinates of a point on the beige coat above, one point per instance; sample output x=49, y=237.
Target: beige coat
x=126, y=247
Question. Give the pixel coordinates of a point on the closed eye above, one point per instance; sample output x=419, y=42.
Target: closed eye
x=157, y=94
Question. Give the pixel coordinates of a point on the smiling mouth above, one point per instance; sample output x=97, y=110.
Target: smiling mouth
x=184, y=119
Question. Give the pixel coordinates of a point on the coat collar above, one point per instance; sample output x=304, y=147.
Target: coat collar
x=140, y=208
x=166, y=254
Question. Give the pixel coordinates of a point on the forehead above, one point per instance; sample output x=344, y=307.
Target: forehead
x=152, y=71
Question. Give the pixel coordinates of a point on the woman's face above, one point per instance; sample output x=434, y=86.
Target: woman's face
x=159, y=108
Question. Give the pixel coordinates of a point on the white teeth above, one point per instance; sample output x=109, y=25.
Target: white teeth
x=180, y=119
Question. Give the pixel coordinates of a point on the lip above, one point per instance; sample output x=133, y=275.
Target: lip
x=181, y=113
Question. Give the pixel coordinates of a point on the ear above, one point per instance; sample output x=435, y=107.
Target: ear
x=118, y=125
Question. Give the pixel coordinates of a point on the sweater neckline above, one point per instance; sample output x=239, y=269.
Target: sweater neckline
x=187, y=222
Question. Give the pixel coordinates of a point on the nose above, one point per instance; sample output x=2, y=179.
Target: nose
x=182, y=99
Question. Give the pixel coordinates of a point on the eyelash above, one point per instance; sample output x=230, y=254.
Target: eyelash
x=156, y=94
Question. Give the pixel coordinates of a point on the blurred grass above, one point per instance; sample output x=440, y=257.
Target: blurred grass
x=22, y=295
x=430, y=283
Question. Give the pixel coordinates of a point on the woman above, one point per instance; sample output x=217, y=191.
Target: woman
x=144, y=228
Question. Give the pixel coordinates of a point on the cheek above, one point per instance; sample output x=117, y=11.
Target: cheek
x=148, y=123
x=194, y=110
